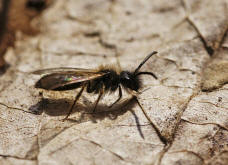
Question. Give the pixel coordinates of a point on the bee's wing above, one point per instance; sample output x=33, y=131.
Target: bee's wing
x=61, y=70
x=62, y=79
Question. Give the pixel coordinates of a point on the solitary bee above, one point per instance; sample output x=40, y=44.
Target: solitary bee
x=97, y=81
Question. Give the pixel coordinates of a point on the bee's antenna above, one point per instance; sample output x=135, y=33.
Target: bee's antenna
x=147, y=58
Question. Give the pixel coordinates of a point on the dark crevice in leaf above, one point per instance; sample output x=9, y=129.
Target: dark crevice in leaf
x=209, y=49
x=191, y=122
x=216, y=105
x=15, y=157
x=20, y=109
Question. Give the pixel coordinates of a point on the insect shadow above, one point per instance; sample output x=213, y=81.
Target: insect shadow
x=59, y=107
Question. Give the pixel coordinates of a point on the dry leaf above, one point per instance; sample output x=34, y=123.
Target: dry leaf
x=187, y=105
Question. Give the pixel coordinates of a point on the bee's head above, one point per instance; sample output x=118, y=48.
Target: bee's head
x=129, y=80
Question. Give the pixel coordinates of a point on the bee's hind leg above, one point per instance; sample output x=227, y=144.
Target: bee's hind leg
x=98, y=99
x=120, y=96
x=76, y=99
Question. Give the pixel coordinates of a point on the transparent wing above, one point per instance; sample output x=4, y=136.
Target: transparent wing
x=62, y=79
x=61, y=70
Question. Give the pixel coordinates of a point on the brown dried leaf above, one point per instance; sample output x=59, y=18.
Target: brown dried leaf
x=186, y=125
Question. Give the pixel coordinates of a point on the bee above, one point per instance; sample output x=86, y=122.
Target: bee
x=97, y=81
